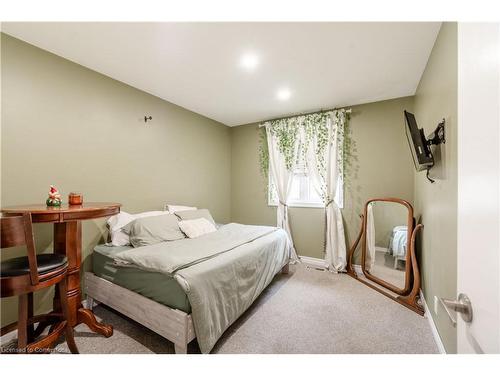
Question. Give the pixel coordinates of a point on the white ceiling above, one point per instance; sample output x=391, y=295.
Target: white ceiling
x=197, y=65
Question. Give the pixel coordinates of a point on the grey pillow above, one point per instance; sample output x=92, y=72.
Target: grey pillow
x=195, y=214
x=153, y=229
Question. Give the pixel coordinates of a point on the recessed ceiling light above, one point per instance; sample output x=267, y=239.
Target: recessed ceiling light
x=249, y=61
x=284, y=94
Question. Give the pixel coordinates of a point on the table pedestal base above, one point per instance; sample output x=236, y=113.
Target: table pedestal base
x=87, y=317
x=68, y=241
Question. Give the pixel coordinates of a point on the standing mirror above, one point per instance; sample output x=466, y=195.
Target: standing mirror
x=385, y=257
x=388, y=262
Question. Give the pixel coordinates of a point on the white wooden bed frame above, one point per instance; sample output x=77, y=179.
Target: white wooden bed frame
x=175, y=325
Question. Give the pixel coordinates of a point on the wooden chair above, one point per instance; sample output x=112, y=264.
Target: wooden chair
x=24, y=275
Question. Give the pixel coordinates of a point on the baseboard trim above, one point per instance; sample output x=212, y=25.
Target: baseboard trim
x=314, y=262
x=435, y=332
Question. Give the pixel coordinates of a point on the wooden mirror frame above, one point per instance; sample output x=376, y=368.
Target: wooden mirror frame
x=410, y=295
x=410, y=222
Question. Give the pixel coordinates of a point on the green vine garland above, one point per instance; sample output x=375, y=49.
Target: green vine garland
x=263, y=153
x=314, y=127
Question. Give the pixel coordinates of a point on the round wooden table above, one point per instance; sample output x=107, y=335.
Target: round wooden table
x=68, y=241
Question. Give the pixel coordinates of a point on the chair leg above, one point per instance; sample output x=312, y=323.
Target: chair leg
x=22, y=325
x=70, y=338
x=31, y=327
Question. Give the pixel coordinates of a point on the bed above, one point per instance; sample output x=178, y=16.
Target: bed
x=189, y=288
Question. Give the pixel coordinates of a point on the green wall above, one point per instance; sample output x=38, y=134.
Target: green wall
x=436, y=204
x=66, y=125
x=386, y=216
x=381, y=167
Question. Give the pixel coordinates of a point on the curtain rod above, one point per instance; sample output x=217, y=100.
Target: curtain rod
x=302, y=114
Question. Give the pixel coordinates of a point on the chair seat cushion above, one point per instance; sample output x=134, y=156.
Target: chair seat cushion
x=20, y=266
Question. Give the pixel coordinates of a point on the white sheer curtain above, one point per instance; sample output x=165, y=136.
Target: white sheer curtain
x=325, y=171
x=370, y=238
x=282, y=178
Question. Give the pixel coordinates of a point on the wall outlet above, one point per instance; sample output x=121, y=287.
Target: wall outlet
x=436, y=305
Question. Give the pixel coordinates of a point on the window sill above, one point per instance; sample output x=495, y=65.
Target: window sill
x=300, y=205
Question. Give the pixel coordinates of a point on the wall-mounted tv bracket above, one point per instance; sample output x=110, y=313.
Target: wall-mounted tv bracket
x=436, y=138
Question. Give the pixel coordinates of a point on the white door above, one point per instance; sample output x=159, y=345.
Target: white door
x=478, y=185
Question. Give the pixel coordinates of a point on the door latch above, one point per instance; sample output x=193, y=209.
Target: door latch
x=461, y=305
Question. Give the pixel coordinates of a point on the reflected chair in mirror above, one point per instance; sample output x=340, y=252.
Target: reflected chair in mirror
x=388, y=261
x=21, y=277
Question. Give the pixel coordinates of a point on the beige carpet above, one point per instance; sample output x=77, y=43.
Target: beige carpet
x=307, y=311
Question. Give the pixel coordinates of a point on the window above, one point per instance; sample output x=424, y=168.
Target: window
x=303, y=193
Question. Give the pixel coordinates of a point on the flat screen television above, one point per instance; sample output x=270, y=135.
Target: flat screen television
x=420, y=149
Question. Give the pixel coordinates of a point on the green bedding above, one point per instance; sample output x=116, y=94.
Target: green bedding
x=154, y=285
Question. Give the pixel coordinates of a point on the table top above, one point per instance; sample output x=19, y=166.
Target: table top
x=88, y=210
x=42, y=208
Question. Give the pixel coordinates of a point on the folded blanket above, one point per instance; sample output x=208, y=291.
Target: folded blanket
x=399, y=241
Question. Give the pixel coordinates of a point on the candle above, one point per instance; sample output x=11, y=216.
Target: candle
x=75, y=198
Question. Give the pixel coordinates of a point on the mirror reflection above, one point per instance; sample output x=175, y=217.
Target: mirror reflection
x=387, y=241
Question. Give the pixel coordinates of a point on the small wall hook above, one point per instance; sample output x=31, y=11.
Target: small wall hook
x=146, y=118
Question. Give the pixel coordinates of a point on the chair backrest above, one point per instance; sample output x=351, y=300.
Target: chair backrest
x=18, y=231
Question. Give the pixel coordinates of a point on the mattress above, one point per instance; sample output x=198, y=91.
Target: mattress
x=156, y=286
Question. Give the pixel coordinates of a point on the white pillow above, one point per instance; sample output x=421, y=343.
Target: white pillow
x=117, y=222
x=119, y=238
x=172, y=209
x=197, y=227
